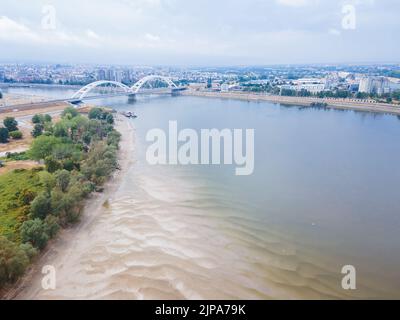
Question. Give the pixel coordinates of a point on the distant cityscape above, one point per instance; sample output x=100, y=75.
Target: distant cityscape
x=379, y=82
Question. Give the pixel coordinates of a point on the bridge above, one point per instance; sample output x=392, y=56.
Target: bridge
x=115, y=88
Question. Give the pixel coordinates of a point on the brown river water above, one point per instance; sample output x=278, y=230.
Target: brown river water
x=324, y=194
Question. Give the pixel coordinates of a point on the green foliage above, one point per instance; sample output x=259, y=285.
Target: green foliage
x=35, y=232
x=4, y=135
x=41, y=206
x=40, y=118
x=52, y=165
x=17, y=189
x=37, y=130
x=11, y=124
x=95, y=113
x=13, y=260
x=43, y=146
x=63, y=178
x=16, y=134
x=69, y=112
x=79, y=155
x=17, y=156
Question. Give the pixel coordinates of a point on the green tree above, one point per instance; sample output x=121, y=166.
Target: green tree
x=41, y=206
x=42, y=147
x=4, y=135
x=47, y=118
x=95, y=113
x=62, y=179
x=11, y=124
x=52, y=165
x=37, y=130
x=35, y=232
x=70, y=112
x=109, y=118
x=13, y=261
x=37, y=118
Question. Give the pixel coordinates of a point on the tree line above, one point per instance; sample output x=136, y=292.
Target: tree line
x=79, y=154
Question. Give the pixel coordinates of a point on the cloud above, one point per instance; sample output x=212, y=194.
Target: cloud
x=13, y=31
x=152, y=37
x=92, y=35
x=296, y=3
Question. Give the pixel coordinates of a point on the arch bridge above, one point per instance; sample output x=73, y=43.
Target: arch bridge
x=122, y=88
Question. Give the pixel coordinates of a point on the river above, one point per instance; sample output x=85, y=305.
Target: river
x=324, y=194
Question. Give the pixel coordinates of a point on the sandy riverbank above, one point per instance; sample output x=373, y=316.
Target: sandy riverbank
x=343, y=104
x=58, y=250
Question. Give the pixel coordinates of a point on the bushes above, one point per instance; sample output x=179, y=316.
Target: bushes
x=13, y=260
x=4, y=135
x=37, y=130
x=11, y=124
x=35, y=232
x=16, y=134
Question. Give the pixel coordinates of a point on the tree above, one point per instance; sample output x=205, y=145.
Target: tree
x=11, y=124
x=95, y=113
x=37, y=118
x=62, y=179
x=41, y=206
x=109, y=118
x=13, y=261
x=16, y=134
x=42, y=147
x=35, y=232
x=3, y=135
x=69, y=112
x=47, y=118
x=37, y=130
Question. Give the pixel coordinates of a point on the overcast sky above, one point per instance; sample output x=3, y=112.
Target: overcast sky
x=200, y=32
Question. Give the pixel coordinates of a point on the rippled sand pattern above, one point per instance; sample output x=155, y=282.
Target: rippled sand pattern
x=164, y=238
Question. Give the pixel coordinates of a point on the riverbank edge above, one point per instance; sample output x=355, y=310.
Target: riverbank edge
x=338, y=104
x=92, y=206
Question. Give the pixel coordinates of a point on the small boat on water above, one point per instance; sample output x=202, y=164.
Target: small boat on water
x=129, y=114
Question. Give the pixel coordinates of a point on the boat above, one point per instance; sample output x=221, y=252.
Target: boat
x=129, y=114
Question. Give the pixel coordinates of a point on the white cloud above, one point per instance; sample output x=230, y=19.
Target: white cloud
x=152, y=37
x=296, y=3
x=13, y=31
x=92, y=35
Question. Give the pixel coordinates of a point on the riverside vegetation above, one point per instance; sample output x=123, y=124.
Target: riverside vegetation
x=77, y=154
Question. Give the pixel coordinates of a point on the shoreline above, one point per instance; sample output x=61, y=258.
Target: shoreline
x=29, y=285
x=332, y=103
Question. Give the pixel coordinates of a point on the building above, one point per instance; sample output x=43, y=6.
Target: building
x=377, y=85
x=101, y=74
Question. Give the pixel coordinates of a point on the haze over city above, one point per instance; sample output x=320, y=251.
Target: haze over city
x=177, y=32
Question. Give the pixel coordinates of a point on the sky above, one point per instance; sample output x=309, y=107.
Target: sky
x=200, y=32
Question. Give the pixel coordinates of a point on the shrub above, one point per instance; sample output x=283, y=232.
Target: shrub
x=16, y=134
x=37, y=130
x=35, y=232
x=41, y=206
x=11, y=124
x=13, y=261
x=69, y=112
x=4, y=135
x=42, y=147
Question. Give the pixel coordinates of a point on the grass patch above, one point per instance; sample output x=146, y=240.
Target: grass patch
x=17, y=189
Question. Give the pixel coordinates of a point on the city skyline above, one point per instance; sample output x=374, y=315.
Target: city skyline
x=174, y=32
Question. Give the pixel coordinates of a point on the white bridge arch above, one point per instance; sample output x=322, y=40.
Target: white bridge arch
x=84, y=91
x=138, y=85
